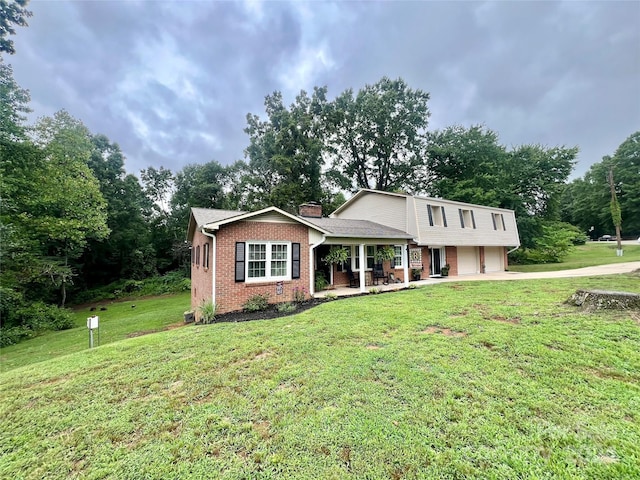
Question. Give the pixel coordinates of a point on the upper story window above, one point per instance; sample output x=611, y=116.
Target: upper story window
x=198, y=255
x=268, y=261
x=498, y=221
x=437, y=217
x=467, y=220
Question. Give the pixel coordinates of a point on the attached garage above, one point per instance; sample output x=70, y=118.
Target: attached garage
x=494, y=259
x=468, y=261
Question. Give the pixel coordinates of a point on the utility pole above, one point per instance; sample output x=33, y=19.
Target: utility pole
x=616, y=215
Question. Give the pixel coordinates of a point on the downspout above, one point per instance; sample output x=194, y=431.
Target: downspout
x=213, y=264
x=513, y=249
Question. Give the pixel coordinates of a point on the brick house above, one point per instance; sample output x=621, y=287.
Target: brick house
x=236, y=255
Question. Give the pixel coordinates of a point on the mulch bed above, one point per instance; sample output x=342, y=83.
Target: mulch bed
x=268, y=314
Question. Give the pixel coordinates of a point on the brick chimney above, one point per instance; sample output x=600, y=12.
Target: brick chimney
x=311, y=209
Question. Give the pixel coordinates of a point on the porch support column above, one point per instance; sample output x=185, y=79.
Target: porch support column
x=405, y=269
x=361, y=268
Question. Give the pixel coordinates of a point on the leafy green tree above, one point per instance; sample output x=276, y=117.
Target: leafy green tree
x=467, y=165
x=14, y=104
x=587, y=200
x=129, y=251
x=376, y=138
x=12, y=12
x=65, y=207
x=158, y=187
x=285, y=153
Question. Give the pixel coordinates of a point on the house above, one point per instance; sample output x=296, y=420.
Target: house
x=470, y=238
x=237, y=255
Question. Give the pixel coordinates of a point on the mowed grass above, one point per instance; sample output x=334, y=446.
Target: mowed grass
x=589, y=255
x=118, y=321
x=496, y=380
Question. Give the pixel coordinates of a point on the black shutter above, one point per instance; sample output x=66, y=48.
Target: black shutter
x=504, y=227
x=493, y=217
x=240, y=254
x=444, y=217
x=461, y=218
x=295, y=260
x=473, y=219
x=430, y=215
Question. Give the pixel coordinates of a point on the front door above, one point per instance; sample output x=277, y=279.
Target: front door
x=437, y=256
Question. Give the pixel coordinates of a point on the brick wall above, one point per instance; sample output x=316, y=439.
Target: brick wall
x=201, y=277
x=230, y=296
x=452, y=259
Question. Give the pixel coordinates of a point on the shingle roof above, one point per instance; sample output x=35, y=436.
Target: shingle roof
x=342, y=227
x=338, y=227
x=203, y=216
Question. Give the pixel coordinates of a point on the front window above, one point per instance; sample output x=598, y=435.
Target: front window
x=398, y=258
x=279, y=260
x=371, y=256
x=268, y=261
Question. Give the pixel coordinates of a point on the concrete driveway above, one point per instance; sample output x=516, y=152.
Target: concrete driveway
x=611, y=269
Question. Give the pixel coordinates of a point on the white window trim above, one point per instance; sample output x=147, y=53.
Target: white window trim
x=268, y=277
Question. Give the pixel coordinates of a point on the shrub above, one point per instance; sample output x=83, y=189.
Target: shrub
x=320, y=281
x=374, y=290
x=331, y=296
x=286, y=307
x=299, y=294
x=256, y=303
x=207, y=312
x=13, y=335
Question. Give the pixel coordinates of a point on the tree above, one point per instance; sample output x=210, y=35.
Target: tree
x=12, y=12
x=64, y=207
x=285, y=153
x=465, y=164
x=376, y=139
x=13, y=105
x=587, y=200
x=158, y=186
x=128, y=252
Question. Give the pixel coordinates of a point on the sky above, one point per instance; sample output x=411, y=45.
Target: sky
x=173, y=82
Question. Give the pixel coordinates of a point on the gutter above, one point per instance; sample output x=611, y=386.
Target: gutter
x=513, y=249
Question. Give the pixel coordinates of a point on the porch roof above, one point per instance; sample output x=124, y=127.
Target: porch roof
x=348, y=228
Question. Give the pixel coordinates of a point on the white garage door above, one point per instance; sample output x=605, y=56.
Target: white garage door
x=467, y=260
x=493, y=259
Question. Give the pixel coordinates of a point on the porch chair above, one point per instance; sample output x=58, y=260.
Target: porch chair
x=378, y=273
x=354, y=281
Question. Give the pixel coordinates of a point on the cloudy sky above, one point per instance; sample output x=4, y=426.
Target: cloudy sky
x=172, y=82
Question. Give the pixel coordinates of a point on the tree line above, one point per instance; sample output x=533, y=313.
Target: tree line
x=73, y=219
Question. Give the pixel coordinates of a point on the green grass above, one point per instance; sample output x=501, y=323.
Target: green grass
x=117, y=322
x=589, y=255
x=458, y=380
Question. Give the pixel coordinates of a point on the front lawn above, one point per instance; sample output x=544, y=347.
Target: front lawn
x=117, y=321
x=589, y=255
x=460, y=380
